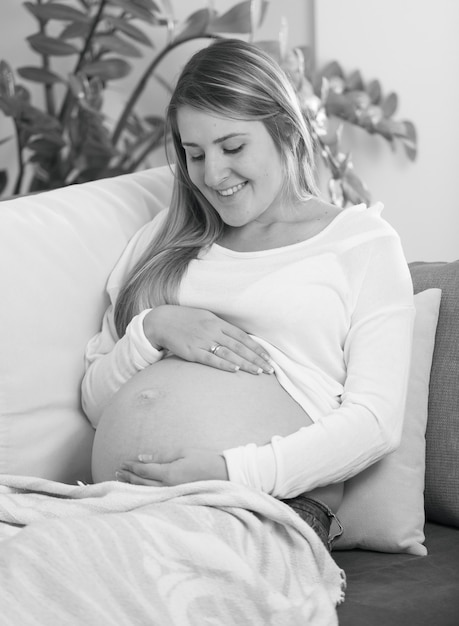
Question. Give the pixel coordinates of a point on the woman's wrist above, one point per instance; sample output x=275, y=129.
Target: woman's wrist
x=253, y=466
x=151, y=326
x=142, y=352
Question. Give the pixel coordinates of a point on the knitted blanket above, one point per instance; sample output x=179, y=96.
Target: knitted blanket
x=111, y=554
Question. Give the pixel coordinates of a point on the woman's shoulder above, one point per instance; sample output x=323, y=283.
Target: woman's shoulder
x=361, y=222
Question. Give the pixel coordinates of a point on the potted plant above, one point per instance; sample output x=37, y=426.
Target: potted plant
x=70, y=140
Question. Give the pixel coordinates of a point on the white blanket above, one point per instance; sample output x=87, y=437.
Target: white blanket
x=206, y=554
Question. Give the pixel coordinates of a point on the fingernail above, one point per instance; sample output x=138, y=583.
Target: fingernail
x=269, y=370
x=259, y=371
x=118, y=475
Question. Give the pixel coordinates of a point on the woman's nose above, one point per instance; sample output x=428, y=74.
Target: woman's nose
x=216, y=170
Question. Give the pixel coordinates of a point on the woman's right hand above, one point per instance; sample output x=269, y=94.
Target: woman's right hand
x=191, y=334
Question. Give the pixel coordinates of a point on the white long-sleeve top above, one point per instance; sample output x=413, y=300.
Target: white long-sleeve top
x=335, y=313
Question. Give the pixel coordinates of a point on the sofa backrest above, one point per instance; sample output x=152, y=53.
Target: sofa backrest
x=56, y=251
x=442, y=434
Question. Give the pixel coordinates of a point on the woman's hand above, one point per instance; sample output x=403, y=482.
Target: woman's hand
x=166, y=468
x=200, y=336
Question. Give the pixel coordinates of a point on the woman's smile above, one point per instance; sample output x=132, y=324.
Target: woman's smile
x=231, y=191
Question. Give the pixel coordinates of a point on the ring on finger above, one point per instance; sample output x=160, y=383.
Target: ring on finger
x=215, y=347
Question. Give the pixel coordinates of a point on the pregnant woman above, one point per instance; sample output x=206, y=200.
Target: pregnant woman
x=256, y=333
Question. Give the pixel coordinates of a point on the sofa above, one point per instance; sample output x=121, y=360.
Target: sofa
x=56, y=251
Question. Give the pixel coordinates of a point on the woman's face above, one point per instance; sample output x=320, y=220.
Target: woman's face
x=234, y=164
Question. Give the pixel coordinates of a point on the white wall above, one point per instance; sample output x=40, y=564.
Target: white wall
x=412, y=47
x=16, y=24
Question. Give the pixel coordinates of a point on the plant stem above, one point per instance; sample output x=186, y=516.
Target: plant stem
x=66, y=105
x=137, y=92
x=18, y=184
x=49, y=97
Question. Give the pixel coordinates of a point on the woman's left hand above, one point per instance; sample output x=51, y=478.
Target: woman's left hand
x=166, y=468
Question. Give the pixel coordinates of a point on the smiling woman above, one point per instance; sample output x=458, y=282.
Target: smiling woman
x=255, y=333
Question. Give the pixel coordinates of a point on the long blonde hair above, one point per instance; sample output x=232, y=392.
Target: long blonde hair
x=235, y=79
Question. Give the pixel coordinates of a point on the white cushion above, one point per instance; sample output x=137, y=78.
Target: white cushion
x=56, y=252
x=383, y=506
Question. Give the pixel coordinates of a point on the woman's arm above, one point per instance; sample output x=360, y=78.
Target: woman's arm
x=368, y=423
x=189, y=333
x=109, y=360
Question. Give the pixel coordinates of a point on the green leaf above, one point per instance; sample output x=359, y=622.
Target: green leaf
x=50, y=46
x=113, y=43
x=264, y=11
x=411, y=151
x=7, y=85
x=22, y=94
x=390, y=128
x=389, y=104
x=259, y=10
x=195, y=25
x=39, y=75
x=410, y=129
x=154, y=120
x=354, y=188
x=108, y=69
x=237, y=20
x=354, y=82
x=3, y=180
x=8, y=106
x=148, y=5
x=75, y=31
x=36, y=122
x=410, y=140
x=383, y=128
x=46, y=145
x=135, y=10
x=130, y=30
x=331, y=70
x=94, y=148
x=339, y=105
x=374, y=91
x=56, y=11
x=14, y=105
x=359, y=98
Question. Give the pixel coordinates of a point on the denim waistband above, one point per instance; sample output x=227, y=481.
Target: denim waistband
x=318, y=515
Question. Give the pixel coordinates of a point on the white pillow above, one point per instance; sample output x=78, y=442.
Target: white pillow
x=383, y=507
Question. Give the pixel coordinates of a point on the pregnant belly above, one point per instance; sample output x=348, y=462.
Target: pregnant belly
x=178, y=403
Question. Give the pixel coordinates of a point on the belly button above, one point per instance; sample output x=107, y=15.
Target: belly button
x=148, y=395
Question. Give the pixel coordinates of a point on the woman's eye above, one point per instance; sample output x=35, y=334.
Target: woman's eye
x=233, y=150
x=197, y=157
